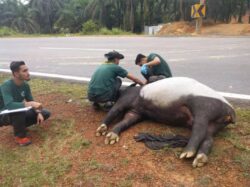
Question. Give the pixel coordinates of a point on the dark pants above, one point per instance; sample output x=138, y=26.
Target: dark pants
x=150, y=77
x=155, y=78
x=21, y=120
x=113, y=95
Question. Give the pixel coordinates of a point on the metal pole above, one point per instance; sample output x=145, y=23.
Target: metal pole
x=199, y=20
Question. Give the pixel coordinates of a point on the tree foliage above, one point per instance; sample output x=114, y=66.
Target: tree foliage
x=50, y=16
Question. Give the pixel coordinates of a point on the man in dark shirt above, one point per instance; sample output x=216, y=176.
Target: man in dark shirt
x=15, y=94
x=153, y=67
x=105, y=84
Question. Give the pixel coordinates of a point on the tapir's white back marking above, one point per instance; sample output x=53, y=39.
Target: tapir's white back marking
x=162, y=93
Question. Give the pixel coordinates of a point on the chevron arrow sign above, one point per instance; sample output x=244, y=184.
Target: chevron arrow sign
x=198, y=10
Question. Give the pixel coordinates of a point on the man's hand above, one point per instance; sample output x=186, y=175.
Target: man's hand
x=136, y=80
x=40, y=118
x=33, y=104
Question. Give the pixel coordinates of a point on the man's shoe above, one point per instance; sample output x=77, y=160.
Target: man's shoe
x=22, y=141
x=96, y=106
x=107, y=106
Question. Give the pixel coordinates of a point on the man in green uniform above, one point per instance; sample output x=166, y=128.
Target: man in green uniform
x=15, y=94
x=153, y=67
x=105, y=84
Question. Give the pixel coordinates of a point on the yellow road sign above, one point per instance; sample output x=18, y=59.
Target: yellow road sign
x=198, y=10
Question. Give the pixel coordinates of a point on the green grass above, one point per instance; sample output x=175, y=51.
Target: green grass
x=56, y=150
x=204, y=181
x=9, y=33
x=46, y=163
x=42, y=164
x=238, y=136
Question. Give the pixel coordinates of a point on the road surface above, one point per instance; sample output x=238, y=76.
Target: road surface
x=222, y=63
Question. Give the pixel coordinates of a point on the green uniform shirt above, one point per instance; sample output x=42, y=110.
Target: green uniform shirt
x=12, y=96
x=160, y=69
x=103, y=80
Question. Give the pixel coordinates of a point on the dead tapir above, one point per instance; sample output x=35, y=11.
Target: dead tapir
x=174, y=101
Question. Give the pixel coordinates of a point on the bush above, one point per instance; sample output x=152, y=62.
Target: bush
x=5, y=31
x=90, y=27
x=105, y=31
x=114, y=31
x=117, y=31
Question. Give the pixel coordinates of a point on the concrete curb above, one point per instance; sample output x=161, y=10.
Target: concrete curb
x=86, y=80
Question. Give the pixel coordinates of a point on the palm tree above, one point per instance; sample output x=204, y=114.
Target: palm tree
x=47, y=12
x=72, y=15
x=19, y=17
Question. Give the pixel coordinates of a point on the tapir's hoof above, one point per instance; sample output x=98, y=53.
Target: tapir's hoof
x=111, y=138
x=200, y=160
x=101, y=130
x=187, y=154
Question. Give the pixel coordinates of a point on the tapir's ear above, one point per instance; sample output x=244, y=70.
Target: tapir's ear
x=233, y=119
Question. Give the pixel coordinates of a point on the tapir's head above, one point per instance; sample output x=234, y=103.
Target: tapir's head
x=229, y=117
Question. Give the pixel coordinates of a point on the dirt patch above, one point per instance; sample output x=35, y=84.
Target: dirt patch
x=188, y=28
x=129, y=163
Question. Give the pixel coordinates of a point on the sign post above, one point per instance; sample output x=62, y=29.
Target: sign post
x=198, y=12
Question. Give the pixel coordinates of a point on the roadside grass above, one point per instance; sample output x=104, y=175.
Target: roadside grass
x=6, y=32
x=43, y=163
x=49, y=162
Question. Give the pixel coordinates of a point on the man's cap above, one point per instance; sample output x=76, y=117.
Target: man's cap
x=114, y=54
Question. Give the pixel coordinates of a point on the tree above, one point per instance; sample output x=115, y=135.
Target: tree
x=18, y=17
x=72, y=16
x=47, y=13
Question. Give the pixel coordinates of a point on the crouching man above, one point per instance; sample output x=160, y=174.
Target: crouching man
x=105, y=83
x=15, y=94
x=153, y=67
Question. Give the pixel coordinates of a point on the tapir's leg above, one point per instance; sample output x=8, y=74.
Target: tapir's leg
x=202, y=156
x=115, y=111
x=129, y=119
x=199, y=131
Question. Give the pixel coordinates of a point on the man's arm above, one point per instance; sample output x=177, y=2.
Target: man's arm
x=135, y=79
x=33, y=104
x=154, y=62
x=28, y=95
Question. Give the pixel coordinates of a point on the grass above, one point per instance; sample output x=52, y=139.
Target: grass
x=51, y=160
x=38, y=165
x=204, y=181
x=7, y=32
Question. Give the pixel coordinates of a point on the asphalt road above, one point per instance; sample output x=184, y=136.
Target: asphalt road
x=223, y=63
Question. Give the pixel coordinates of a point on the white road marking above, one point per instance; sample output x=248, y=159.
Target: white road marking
x=228, y=56
x=80, y=63
x=184, y=51
x=176, y=60
x=87, y=79
x=64, y=58
x=81, y=49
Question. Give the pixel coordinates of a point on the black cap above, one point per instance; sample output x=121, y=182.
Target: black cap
x=114, y=54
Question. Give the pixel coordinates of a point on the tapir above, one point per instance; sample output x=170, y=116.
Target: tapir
x=175, y=101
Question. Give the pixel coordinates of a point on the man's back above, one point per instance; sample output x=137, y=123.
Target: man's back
x=162, y=68
x=104, y=77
